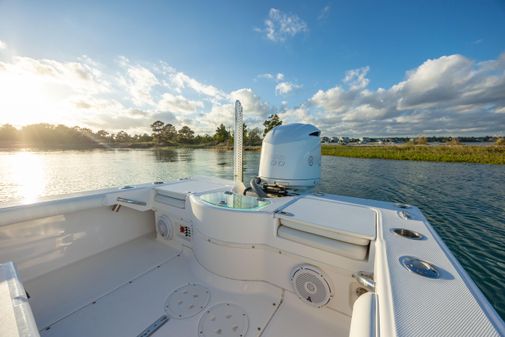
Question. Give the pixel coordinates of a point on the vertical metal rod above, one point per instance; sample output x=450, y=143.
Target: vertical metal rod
x=238, y=143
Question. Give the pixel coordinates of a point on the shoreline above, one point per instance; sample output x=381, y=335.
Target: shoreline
x=476, y=154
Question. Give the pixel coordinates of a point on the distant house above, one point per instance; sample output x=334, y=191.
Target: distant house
x=364, y=140
x=343, y=140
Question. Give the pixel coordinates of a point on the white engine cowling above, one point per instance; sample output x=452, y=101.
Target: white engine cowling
x=291, y=156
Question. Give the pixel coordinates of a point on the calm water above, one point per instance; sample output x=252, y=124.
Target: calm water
x=464, y=202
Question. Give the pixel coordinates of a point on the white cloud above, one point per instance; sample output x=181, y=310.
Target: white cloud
x=284, y=88
x=267, y=76
x=180, y=81
x=300, y=114
x=277, y=77
x=43, y=90
x=178, y=104
x=255, y=111
x=3, y=45
x=252, y=103
x=356, y=78
x=325, y=12
x=448, y=95
x=280, y=26
x=139, y=81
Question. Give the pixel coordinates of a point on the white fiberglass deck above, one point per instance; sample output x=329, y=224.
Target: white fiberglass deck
x=123, y=290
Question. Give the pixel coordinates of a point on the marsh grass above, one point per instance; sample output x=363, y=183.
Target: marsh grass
x=441, y=153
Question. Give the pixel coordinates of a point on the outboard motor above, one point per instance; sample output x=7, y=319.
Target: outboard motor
x=290, y=161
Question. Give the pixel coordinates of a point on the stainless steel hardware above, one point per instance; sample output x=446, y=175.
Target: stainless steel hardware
x=154, y=326
x=420, y=267
x=407, y=233
x=404, y=215
x=365, y=279
x=131, y=201
x=284, y=213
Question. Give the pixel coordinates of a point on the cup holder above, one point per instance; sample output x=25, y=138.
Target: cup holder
x=408, y=234
x=420, y=267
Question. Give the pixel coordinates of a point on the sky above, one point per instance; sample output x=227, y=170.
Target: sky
x=352, y=68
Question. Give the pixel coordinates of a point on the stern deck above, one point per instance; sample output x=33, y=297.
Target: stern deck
x=122, y=291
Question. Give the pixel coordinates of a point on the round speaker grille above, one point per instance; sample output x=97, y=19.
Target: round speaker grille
x=311, y=285
x=164, y=227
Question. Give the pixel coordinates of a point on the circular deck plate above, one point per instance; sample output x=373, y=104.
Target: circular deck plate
x=187, y=301
x=224, y=320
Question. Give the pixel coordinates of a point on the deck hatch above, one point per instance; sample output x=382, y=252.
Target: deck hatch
x=169, y=200
x=332, y=219
x=187, y=301
x=224, y=320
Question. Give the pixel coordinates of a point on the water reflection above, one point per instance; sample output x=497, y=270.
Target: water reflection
x=165, y=156
x=27, y=172
x=186, y=154
x=223, y=158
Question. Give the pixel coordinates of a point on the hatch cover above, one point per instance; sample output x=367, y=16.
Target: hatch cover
x=224, y=320
x=187, y=301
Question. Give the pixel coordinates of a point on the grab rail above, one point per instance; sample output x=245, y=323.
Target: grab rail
x=365, y=279
x=131, y=201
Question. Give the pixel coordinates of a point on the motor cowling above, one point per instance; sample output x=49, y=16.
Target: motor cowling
x=291, y=157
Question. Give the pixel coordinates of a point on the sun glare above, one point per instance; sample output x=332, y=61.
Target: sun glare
x=28, y=171
x=26, y=100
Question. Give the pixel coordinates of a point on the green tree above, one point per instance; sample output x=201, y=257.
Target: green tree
x=222, y=135
x=122, y=137
x=168, y=133
x=157, y=128
x=8, y=133
x=245, y=133
x=271, y=122
x=205, y=139
x=145, y=138
x=104, y=136
x=186, y=135
x=254, y=137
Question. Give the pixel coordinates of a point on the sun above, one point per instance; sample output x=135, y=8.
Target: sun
x=28, y=98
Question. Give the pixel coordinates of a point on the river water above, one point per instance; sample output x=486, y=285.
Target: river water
x=465, y=203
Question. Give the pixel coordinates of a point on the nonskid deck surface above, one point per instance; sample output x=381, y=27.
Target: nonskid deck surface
x=255, y=308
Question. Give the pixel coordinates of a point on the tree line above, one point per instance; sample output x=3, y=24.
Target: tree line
x=163, y=134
